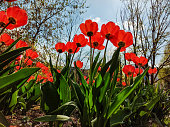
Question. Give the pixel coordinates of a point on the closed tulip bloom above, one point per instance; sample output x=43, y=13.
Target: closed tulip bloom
x=6, y=39
x=3, y=19
x=123, y=40
x=109, y=30
x=97, y=42
x=123, y=83
x=130, y=56
x=80, y=40
x=152, y=71
x=60, y=47
x=17, y=17
x=21, y=44
x=31, y=54
x=140, y=61
x=89, y=28
x=71, y=47
x=99, y=69
x=129, y=70
x=79, y=64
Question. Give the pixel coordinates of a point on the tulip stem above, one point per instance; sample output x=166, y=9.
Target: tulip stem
x=57, y=60
x=91, y=62
x=104, y=58
x=93, y=54
x=90, y=53
x=4, y=28
x=73, y=57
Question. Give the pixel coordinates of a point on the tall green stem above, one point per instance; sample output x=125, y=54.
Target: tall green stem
x=91, y=62
x=72, y=58
x=57, y=60
x=104, y=58
x=4, y=28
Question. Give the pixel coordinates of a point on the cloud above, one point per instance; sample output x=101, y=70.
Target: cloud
x=97, y=19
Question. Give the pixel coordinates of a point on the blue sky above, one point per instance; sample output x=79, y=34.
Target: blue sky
x=103, y=11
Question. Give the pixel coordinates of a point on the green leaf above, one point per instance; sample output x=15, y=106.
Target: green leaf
x=113, y=62
x=50, y=96
x=14, y=99
x=65, y=93
x=150, y=105
x=124, y=94
x=105, y=86
x=12, y=45
x=16, y=78
x=119, y=116
x=48, y=118
x=80, y=97
x=30, y=84
x=7, y=55
x=4, y=63
x=83, y=81
x=96, y=69
x=71, y=103
x=6, y=70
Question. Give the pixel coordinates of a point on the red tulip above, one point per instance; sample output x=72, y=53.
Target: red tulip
x=99, y=69
x=118, y=79
x=97, y=42
x=129, y=70
x=130, y=56
x=40, y=65
x=89, y=28
x=152, y=71
x=137, y=72
x=80, y=40
x=88, y=81
x=3, y=19
x=16, y=16
x=31, y=54
x=28, y=61
x=6, y=39
x=109, y=30
x=79, y=64
x=123, y=40
x=72, y=48
x=140, y=61
x=21, y=44
x=60, y=47
x=124, y=83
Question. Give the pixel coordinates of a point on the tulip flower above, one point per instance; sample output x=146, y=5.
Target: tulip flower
x=80, y=40
x=123, y=40
x=89, y=28
x=109, y=30
x=129, y=70
x=60, y=47
x=152, y=71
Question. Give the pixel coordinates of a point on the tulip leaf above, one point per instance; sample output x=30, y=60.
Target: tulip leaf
x=65, y=93
x=7, y=55
x=16, y=78
x=124, y=94
x=12, y=45
x=48, y=118
x=14, y=99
